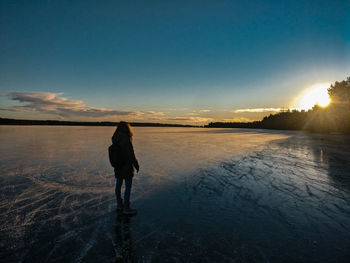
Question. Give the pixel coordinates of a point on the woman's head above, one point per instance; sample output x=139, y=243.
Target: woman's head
x=125, y=127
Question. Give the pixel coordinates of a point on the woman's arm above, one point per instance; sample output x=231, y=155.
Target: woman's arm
x=115, y=137
x=134, y=161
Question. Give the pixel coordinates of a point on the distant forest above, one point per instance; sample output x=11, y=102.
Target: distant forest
x=333, y=118
x=4, y=121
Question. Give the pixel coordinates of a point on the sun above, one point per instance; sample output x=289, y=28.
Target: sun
x=316, y=95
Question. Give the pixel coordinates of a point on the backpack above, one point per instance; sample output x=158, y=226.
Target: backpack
x=115, y=155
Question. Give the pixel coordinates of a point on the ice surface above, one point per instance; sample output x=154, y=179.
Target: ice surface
x=203, y=195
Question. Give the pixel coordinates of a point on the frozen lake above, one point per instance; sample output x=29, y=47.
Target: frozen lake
x=203, y=195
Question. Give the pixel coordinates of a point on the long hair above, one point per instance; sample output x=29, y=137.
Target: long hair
x=125, y=127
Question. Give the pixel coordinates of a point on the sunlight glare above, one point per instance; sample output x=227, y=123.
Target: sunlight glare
x=317, y=94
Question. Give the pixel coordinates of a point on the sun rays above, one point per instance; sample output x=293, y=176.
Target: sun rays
x=316, y=95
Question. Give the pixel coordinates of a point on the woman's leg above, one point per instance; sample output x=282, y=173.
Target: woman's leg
x=118, y=188
x=128, y=183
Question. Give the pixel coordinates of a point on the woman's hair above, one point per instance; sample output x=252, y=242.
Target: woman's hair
x=125, y=128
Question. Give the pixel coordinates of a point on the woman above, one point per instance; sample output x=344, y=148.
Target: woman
x=125, y=172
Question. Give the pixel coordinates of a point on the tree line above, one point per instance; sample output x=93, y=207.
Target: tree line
x=6, y=121
x=333, y=118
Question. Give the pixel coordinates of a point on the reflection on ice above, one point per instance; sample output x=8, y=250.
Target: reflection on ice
x=123, y=240
x=203, y=195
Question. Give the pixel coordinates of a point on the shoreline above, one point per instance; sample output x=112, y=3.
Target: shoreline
x=248, y=125
x=22, y=122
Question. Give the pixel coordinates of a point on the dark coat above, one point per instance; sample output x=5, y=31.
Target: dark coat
x=128, y=168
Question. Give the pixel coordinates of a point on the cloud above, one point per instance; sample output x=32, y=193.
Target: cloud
x=191, y=119
x=54, y=103
x=204, y=111
x=177, y=109
x=154, y=113
x=197, y=112
x=256, y=110
x=237, y=119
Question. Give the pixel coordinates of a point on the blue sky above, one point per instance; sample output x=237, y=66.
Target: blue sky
x=167, y=61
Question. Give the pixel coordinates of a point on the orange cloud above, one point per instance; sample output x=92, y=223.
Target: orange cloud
x=256, y=110
x=191, y=119
x=237, y=119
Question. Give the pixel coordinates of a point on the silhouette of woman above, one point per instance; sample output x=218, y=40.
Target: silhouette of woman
x=123, y=136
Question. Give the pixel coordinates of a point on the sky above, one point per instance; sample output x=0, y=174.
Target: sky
x=190, y=62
